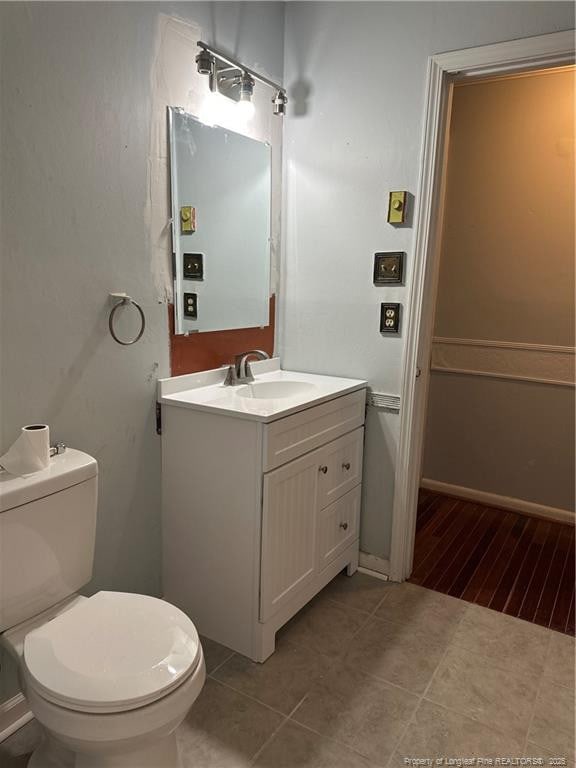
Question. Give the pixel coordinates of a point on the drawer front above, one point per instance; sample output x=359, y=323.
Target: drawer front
x=338, y=526
x=341, y=467
x=288, y=438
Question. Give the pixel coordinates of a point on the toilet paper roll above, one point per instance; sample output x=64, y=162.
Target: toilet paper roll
x=30, y=453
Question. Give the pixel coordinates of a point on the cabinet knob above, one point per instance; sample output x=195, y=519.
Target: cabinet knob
x=323, y=469
x=346, y=465
x=344, y=526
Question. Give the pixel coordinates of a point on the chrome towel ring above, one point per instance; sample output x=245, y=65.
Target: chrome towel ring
x=125, y=299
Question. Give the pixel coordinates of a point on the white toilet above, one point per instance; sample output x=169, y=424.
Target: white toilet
x=109, y=677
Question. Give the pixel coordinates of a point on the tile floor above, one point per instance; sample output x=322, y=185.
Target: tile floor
x=372, y=673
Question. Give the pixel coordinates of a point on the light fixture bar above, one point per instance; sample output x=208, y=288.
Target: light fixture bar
x=237, y=65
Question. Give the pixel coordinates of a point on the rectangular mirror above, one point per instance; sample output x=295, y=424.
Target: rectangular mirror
x=221, y=196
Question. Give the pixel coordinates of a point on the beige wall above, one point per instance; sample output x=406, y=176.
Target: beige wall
x=507, y=266
x=507, y=278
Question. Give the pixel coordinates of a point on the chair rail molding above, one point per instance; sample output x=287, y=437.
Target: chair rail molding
x=511, y=360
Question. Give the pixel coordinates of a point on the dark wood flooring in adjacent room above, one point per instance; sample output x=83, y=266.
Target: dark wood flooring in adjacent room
x=519, y=565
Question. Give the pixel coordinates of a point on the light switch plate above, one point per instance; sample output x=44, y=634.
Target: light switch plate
x=397, y=207
x=187, y=220
x=390, y=317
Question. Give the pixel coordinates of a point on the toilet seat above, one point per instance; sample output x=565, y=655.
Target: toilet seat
x=111, y=653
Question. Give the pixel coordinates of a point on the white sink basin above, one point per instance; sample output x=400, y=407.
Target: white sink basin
x=275, y=393
x=272, y=390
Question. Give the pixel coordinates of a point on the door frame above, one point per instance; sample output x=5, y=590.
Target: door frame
x=526, y=54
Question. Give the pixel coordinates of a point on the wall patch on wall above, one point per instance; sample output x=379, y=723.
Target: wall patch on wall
x=193, y=266
x=389, y=267
x=390, y=318
x=187, y=219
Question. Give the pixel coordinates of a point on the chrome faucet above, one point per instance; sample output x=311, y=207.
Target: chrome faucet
x=239, y=371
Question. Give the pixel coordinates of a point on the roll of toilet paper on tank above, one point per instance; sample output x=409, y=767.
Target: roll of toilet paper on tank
x=30, y=453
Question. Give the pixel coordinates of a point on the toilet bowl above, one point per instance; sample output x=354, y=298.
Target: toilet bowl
x=109, y=678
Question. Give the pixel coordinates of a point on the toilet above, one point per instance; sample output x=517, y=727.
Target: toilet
x=108, y=677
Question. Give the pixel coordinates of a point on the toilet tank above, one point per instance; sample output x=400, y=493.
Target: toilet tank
x=47, y=535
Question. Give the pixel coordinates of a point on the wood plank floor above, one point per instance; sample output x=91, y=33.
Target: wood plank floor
x=519, y=565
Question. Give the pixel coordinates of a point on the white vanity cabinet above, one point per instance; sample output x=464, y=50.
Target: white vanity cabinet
x=258, y=516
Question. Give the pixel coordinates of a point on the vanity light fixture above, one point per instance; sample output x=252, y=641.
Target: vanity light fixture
x=280, y=100
x=235, y=81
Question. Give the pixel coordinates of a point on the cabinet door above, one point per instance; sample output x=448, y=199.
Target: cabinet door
x=289, y=523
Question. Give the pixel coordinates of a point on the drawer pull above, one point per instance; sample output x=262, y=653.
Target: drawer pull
x=344, y=526
x=323, y=469
x=346, y=465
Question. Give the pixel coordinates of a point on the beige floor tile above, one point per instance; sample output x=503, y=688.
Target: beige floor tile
x=396, y=653
x=553, y=723
x=214, y=653
x=366, y=714
x=559, y=667
x=438, y=732
x=324, y=626
x=359, y=591
x=474, y=686
x=422, y=609
x=508, y=642
x=282, y=681
x=224, y=729
x=296, y=747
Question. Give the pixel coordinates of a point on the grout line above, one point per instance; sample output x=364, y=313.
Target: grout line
x=335, y=741
x=247, y=696
x=219, y=666
x=422, y=697
x=275, y=731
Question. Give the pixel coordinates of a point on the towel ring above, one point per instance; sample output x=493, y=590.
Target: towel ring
x=125, y=299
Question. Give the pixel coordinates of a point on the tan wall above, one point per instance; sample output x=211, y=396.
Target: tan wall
x=507, y=275
x=507, y=266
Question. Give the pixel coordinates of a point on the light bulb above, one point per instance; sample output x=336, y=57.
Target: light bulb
x=216, y=109
x=245, y=110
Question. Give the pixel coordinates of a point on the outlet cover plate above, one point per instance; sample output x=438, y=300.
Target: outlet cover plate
x=390, y=317
x=191, y=306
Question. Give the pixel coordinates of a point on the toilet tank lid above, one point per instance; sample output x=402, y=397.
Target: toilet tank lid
x=65, y=470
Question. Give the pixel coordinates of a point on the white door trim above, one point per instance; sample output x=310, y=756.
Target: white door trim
x=516, y=55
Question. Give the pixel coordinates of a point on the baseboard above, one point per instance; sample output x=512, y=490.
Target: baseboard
x=14, y=713
x=504, y=502
x=374, y=566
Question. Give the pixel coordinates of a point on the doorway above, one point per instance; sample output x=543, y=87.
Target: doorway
x=499, y=433
x=445, y=72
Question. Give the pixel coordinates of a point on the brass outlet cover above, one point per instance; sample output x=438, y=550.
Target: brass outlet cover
x=397, y=207
x=187, y=219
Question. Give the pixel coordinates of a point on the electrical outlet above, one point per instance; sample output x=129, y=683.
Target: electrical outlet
x=390, y=318
x=191, y=305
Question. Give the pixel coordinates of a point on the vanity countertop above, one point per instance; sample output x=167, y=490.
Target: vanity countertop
x=205, y=391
